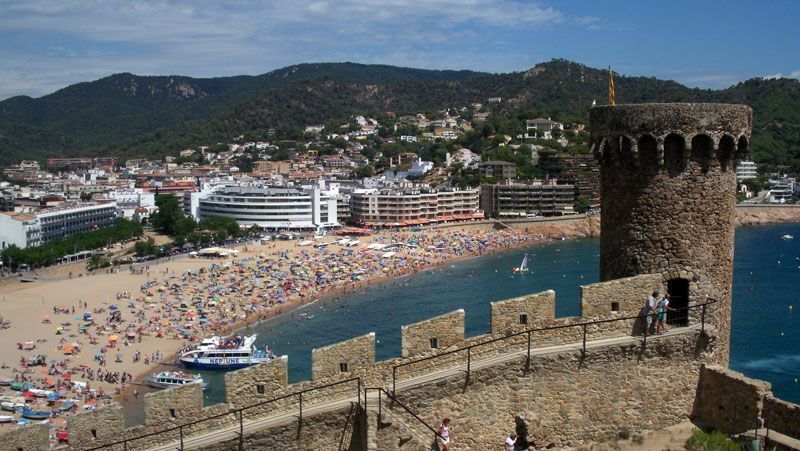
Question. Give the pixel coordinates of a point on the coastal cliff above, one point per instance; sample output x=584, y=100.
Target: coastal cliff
x=755, y=215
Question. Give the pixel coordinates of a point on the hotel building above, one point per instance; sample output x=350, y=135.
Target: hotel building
x=392, y=208
x=522, y=199
x=55, y=223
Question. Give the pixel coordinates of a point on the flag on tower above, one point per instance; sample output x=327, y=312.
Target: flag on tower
x=612, y=100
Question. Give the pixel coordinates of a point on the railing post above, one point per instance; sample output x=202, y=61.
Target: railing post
x=241, y=430
x=469, y=362
x=584, y=339
x=394, y=381
x=301, y=407
x=380, y=408
x=125, y=445
x=703, y=320
x=528, y=359
x=180, y=432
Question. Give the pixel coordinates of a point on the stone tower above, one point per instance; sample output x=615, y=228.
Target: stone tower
x=668, y=184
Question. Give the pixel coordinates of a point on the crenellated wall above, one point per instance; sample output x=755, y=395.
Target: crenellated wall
x=343, y=358
x=264, y=382
x=524, y=312
x=447, y=330
x=32, y=437
x=97, y=426
x=619, y=297
x=174, y=406
x=257, y=383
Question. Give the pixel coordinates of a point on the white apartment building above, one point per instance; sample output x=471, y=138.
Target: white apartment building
x=272, y=208
x=746, y=170
x=36, y=228
x=131, y=202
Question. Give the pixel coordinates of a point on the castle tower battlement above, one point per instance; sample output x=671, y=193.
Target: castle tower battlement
x=668, y=186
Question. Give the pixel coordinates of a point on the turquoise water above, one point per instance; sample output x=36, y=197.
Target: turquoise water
x=762, y=293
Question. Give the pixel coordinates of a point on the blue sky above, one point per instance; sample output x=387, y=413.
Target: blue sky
x=48, y=44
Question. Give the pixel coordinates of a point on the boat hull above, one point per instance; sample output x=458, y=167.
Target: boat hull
x=202, y=364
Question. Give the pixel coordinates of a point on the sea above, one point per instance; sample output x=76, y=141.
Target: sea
x=765, y=337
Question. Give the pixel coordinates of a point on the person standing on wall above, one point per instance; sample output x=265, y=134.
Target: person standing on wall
x=511, y=440
x=661, y=314
x=649, y=311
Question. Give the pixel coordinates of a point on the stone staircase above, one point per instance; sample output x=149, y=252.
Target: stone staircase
x=393, y=431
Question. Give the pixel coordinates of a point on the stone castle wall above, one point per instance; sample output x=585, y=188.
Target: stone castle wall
x=729, y=402
x=668, y=185
x=249, y=386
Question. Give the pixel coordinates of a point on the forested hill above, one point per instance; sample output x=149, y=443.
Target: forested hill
x=95, y=117
x=165, y=114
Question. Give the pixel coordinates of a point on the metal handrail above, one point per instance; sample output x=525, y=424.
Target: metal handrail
x=395, y=401
x=528, y=332
x=239, y=410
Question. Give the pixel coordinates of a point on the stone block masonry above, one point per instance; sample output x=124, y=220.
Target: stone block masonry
x=167, y=408
x=33, y=437
x=97, y=426
x=782, y=416
x=668, y=183
x=728, y=401
x=433, y=334
x=524, y=312
x=619, y=297
x=257, y=383
x=343, y=358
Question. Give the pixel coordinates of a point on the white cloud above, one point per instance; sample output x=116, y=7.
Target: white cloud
x=46, y=44
x=793, y=74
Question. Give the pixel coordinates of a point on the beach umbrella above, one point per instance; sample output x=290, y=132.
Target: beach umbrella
x=112, y=338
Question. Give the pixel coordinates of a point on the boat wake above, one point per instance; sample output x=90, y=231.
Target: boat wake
x=779, y=364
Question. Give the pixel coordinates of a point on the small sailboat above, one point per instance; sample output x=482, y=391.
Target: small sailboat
x=523, y=267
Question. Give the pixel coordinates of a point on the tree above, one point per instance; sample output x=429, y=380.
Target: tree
x=364, y=171
x=168, y=214
x=581, y=204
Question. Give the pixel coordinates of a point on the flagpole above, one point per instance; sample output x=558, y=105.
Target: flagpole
x=612, y=99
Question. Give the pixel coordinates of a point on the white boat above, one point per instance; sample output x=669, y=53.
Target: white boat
x=225, y=353
x=11, y=406
x=787, y=237
x=167, y=379
x=523, y=267
x=6, y=418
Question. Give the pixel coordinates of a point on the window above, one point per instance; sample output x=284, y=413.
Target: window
x=172, y=413
x=260, y=389
x=434, y=343
x=523, y=318
x=615, y=306
x=343, y=367
x=94, y=433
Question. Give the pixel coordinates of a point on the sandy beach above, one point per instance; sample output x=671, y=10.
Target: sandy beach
x=137, y=319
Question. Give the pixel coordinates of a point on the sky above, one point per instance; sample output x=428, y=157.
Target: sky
x=46, y=45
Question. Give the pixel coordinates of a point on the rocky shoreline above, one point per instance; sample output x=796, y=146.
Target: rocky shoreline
x=761, y=215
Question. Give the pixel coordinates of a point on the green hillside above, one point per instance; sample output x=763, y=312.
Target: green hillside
x=132, y=116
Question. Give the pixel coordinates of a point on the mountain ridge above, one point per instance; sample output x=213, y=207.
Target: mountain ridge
x=132, y=115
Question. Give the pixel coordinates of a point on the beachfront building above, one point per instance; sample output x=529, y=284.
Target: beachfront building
x=272, y=208
x=540, y=198
x=746, y=170
x=65, y=220
x=396, y=207
x=134, y=203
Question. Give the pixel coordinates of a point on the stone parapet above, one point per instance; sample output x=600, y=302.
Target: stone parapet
x=728, y=401
x=433, y=334
x=257, y=383
x=344, y=357
x=782, y=416
x=524, y=312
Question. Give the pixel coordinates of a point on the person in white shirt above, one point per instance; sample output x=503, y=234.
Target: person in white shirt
x=511, y=440
x=650, y=310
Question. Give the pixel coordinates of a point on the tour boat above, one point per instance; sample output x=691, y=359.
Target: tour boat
x=167, y=379
x=523, y=267
x=225, y=353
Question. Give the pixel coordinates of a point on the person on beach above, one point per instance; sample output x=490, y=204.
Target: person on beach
x=661, y=314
